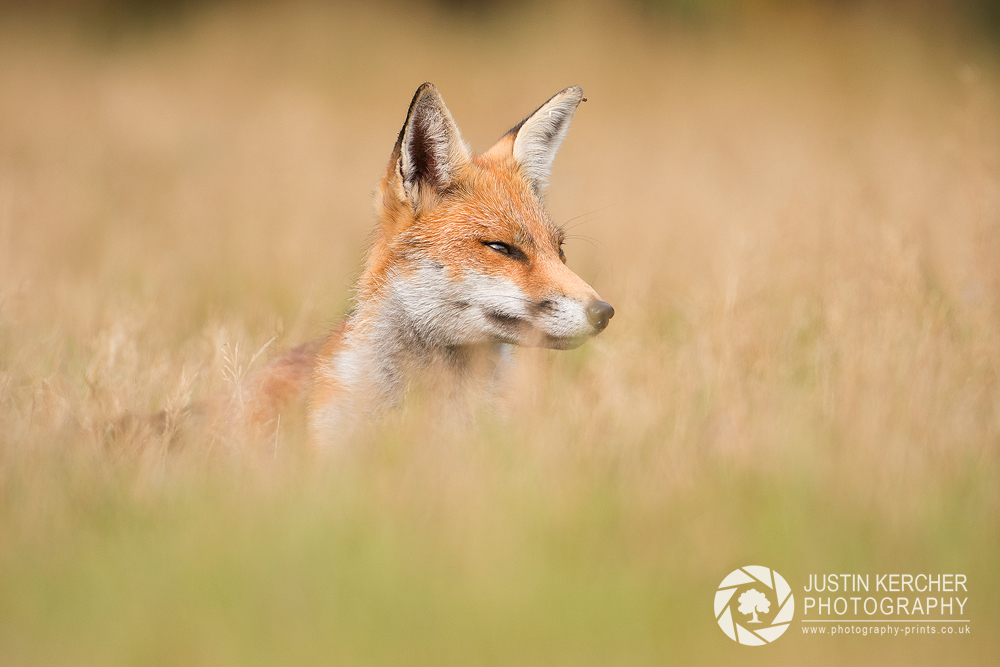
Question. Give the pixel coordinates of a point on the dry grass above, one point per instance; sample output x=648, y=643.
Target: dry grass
x=797, y=220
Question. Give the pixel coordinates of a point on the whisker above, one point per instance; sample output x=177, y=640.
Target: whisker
x=582, y=215
x=589, y=239
x=599, y=270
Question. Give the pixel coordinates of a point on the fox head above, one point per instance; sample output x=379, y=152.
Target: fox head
x=464, y=251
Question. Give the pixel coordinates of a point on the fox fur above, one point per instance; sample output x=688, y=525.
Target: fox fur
x=464, y=265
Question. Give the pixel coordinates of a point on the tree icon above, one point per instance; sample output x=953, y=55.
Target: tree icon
x=753, y=601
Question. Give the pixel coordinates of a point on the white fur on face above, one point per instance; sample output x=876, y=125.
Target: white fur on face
x=441, y=309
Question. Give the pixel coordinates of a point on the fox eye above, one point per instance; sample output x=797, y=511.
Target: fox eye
x=562, y=255
x=501, y=248
x=513, y=252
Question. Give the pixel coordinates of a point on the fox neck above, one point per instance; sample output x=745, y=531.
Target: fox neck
x=393, y=355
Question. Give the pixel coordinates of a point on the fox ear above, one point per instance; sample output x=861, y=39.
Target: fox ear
x=538, y=137
x=429, y=151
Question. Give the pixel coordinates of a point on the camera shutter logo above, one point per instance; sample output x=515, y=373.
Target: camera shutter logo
x=754, y=605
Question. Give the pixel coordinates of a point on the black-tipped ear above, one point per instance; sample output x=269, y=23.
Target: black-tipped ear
x=538, y=137
x=430, y=150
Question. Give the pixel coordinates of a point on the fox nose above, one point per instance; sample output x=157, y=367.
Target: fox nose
x=599, y=313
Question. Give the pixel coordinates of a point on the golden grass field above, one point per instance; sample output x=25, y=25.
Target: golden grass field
x=796, y=217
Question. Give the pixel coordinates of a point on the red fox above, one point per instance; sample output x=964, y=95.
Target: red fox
x=465, y=264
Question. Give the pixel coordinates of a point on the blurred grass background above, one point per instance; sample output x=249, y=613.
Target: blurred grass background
x=793, y=206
